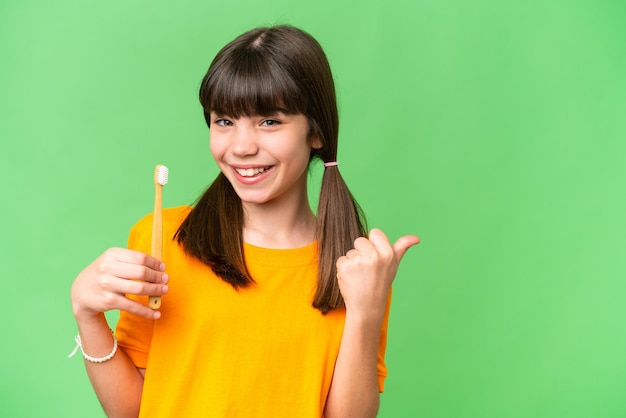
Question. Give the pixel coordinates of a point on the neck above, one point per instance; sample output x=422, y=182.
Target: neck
x=280, y=224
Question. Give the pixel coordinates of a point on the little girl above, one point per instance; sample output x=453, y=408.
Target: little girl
x=268, y=310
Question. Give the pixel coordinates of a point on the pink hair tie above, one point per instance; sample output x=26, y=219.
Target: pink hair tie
x=331, y=164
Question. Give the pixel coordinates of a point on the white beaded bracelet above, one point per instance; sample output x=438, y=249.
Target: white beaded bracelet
x=94, y=359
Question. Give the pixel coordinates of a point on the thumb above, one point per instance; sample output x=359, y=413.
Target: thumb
x=401, y=246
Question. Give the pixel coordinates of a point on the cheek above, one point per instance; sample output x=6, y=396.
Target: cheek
x=216, y=147
x=300, y=157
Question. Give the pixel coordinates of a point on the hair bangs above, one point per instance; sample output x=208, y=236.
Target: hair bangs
x=248, y=85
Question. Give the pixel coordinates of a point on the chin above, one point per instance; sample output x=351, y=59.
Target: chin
x=253, y=199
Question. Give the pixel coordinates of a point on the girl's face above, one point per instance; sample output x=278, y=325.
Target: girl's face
x=264, y=158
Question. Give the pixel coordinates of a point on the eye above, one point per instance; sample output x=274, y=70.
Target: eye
x=270, y=122
x=222, y=122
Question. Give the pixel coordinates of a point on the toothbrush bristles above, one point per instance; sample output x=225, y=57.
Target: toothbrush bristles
x=162, y=174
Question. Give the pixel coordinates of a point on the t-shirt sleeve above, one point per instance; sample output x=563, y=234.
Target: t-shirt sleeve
x=133, y=332
x=382, y=347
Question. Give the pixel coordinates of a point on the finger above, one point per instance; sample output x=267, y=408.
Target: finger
x=380, y=241
x=352, y=253
x=401, y=246
x=131, y=272
x=363, y=244
x=137, y=308
x=129, y=264
x=339, y=265
x=125, y=255
x=133, y=287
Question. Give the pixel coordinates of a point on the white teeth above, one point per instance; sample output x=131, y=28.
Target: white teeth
x=250, y=172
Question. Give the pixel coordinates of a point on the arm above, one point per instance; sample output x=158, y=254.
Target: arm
x=365, y=275
x=101, y=287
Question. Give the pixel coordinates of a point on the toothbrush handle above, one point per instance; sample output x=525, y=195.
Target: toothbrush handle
x=157, y=237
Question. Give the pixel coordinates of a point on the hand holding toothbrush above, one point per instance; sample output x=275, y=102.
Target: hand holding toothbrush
x=103, y=285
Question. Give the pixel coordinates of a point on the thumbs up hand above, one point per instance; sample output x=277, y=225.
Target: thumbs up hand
x=366, y=272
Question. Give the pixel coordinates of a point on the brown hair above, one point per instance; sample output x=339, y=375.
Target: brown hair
x=264, y=71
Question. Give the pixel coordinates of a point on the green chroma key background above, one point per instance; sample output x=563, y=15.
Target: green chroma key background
x=493, y=129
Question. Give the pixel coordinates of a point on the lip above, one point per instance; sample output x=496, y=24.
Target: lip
x=251, y=180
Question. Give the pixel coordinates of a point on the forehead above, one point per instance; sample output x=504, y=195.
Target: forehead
x=251, y=84
x=276, y=114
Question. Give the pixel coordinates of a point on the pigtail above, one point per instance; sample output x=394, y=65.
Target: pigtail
x=213, y=233
x=340, y=221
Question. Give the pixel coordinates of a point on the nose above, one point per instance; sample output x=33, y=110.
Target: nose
x=244, y=141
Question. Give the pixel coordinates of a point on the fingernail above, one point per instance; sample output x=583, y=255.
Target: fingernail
x=165, y=278
x=166, y=289
x=162, y=267
x=156, y=315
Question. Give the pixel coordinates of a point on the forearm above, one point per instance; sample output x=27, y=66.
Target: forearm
x=354, y=388
x=117, y=382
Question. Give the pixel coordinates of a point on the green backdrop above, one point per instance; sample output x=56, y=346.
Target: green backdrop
x=493, y=129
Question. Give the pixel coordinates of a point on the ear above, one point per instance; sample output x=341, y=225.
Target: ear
x=316, y=143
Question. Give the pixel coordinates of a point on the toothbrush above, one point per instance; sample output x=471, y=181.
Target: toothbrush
x=160, y=179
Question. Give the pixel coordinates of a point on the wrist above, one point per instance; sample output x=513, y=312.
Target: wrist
x=92, y=359
x=370, y=319
x=90, y=319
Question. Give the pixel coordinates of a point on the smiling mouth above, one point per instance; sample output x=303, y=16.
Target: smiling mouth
x=251, y=172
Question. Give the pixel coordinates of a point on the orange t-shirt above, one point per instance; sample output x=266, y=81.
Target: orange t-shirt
x=260, y=351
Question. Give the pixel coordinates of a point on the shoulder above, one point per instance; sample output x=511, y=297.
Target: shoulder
x=172, y=218
x=176, y=215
